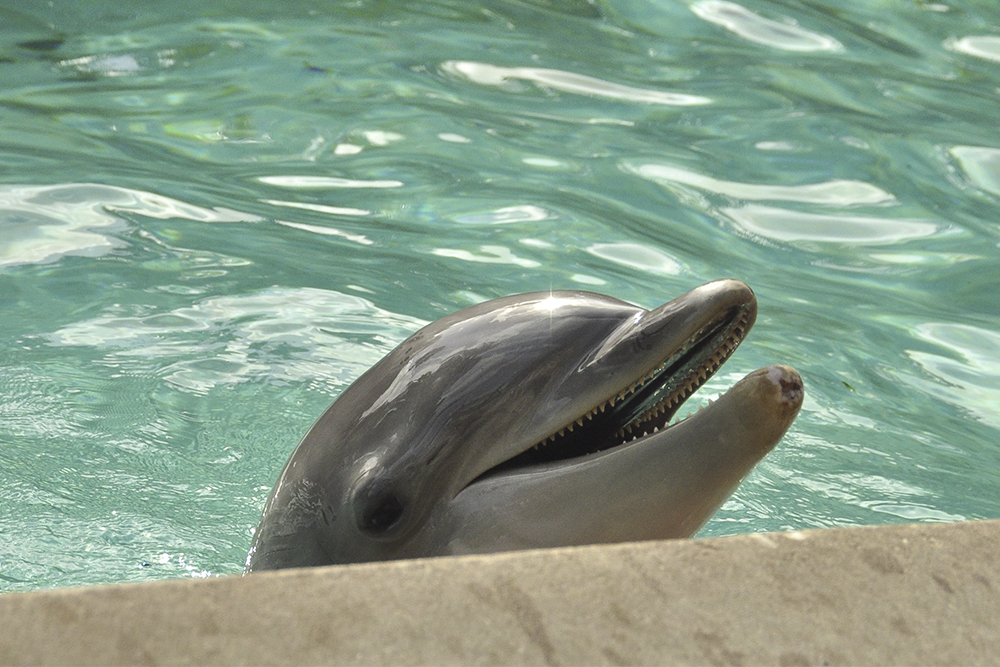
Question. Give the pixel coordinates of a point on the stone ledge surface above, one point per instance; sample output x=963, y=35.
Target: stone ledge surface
x=914, y=594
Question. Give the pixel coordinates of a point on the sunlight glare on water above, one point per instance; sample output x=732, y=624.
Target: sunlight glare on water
x=213, y=218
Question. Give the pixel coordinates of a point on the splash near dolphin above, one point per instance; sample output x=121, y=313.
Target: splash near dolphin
x=530, y=421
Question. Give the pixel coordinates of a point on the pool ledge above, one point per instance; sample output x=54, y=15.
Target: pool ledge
x=911, y=594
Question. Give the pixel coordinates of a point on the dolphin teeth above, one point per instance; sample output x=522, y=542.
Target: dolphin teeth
x=662, y=414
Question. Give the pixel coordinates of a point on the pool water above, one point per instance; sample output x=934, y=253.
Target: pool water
x=214, y=216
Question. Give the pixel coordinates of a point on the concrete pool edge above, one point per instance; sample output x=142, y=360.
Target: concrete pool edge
x=905, y=594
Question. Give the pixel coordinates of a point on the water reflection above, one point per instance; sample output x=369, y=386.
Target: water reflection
x=279, y=334
x=968, y=375
x=508, y=215
x=323, y=182
x=878, y=494
x=567, y=82
x=842, y=163
x=641, y=257
x=980, y=46
x=320, y=208
x=488, y=254
x=981, y=165
x=360, y=239
x=43, y=223
x=790, y=226
x=105, y=65
x=755, y=28
x=836, y=192
x=913, y=512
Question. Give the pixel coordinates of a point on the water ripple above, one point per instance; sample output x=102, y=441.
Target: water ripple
x=968, y=375
x=980, y=46
x=755, y=28
x=281, y=334
x=319, y=208
x=835, y=192
x=429, y=155
x=981, y=165
x=508, y=215
x=633, y=255
x=323, y=182
x=786, y=225
x=567, y=82
x=360, y=239
x=488, y=254
x=106, y=65
x=45, y=222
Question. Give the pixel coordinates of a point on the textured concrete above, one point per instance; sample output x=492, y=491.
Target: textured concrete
x=924, y=594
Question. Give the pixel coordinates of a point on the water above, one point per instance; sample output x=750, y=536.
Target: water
x=214, y=216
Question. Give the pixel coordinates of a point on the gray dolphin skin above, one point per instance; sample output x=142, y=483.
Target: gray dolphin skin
x=530, y=421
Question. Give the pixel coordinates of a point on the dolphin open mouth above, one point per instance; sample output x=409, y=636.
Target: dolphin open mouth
x=645, y=405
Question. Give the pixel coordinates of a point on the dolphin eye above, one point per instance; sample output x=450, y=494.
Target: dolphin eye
x=381, y=513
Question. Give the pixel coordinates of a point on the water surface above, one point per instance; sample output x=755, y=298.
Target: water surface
x=214, y=216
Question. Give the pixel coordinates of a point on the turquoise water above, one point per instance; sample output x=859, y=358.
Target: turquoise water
x=214, y=216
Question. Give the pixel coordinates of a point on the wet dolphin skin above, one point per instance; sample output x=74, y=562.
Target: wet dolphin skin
x=530, y=421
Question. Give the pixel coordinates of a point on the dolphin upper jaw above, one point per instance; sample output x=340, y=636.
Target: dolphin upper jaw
x=639, y=376
x=493, y=427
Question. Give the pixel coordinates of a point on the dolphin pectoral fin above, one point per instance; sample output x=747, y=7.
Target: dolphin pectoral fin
x=664, y=485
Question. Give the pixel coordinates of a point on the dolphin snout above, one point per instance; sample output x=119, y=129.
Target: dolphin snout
x=788, y=382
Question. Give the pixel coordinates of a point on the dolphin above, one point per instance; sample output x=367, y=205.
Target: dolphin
x=530, y=421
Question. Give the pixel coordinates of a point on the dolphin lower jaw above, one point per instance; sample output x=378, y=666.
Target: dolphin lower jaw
x=665, y=485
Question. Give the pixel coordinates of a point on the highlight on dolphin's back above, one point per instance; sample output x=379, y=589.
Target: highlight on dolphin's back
x=535, y=420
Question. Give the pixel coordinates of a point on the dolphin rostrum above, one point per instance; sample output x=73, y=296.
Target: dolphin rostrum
x=530, y=421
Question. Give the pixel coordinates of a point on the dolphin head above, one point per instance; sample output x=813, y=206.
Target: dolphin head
x=532, y=420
